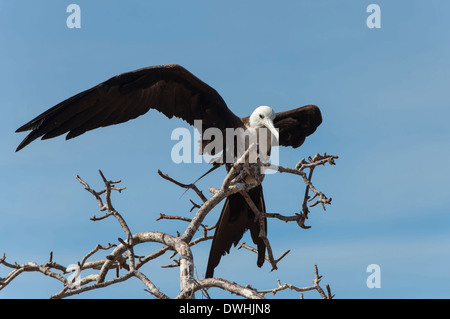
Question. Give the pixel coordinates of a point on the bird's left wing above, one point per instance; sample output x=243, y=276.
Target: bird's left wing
x=296, y=124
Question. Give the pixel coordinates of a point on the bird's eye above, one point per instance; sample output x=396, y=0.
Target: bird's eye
x=261, y=116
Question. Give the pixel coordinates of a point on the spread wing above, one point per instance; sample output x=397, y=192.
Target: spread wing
x=295, y=125
x=170, y=89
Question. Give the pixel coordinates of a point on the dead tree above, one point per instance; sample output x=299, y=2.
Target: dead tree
x=122, y=256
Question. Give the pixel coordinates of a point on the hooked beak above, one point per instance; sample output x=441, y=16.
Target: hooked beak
x=269, y=124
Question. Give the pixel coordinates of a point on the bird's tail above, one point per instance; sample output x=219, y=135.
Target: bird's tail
x=235, y=219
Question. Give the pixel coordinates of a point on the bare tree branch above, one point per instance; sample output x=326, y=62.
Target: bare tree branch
x=188, y=186
x=244, y=245
x=315, y=286
x=121, y=255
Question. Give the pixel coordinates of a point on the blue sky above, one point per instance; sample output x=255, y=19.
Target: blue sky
x=383, y=94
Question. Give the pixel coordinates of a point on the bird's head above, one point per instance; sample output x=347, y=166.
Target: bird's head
x=263, y=116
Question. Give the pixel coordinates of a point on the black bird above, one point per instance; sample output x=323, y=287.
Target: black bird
x=174, y=91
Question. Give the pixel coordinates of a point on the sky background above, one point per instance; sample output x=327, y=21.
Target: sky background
x=384, y=98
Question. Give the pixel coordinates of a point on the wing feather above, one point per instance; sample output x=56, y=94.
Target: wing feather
x=296, y=124
x=170, y=89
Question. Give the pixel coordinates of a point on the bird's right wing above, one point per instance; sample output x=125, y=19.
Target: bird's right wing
x=170, y=89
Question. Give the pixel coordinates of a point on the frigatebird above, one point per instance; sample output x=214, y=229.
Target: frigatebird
x=174, y=91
